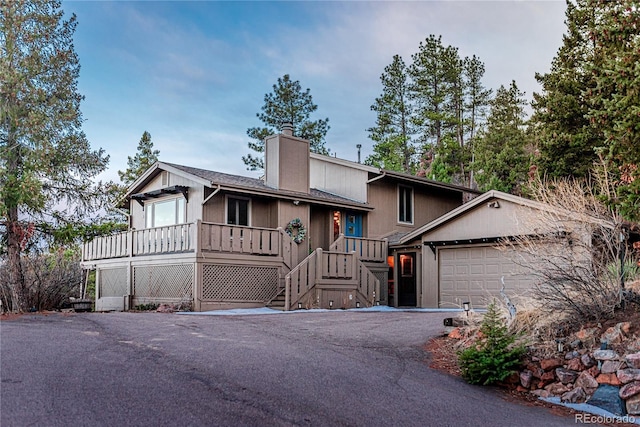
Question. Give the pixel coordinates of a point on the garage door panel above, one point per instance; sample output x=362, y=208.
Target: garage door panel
x=473, y=274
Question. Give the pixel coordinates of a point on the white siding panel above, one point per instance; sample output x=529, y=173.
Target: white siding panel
x=473, y=274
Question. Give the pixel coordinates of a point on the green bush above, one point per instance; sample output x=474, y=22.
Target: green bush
x=495, y=355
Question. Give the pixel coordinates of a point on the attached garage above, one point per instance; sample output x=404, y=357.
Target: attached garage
x=460, y=256
x=474, y=274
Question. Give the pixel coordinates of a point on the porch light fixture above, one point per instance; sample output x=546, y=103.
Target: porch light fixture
x=299, y=306
x=466, y=306
x=330, y=304
x=357, y=304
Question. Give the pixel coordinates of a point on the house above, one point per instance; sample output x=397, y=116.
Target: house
x=314, y=232
x=461, y=255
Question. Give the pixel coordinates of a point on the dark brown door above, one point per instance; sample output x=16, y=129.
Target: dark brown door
x=407, y=280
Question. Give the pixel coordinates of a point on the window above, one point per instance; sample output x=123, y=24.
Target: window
x=165, y=212
x=405, y=204
x=237, y=211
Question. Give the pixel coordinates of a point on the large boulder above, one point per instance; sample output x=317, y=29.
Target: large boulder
x=607, y=397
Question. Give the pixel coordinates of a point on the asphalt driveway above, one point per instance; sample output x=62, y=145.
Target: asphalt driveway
x=322, y=369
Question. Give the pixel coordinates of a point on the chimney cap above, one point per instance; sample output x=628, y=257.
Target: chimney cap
x=287, y=128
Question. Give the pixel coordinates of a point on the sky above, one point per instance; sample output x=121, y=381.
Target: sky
x=194, y=74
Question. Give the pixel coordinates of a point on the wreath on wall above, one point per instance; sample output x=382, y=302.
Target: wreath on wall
x=296, y=230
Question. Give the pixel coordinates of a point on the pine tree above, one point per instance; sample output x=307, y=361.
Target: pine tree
x=566, y=136
x=288, y=103
x=46, y=163
x=393, y=148
x=615, y=99
x=433, y=73
x=143, y=159
x=501, y=160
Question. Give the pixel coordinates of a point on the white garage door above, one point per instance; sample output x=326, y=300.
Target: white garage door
x=473, y=274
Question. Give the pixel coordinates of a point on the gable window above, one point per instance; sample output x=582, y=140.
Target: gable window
x=165, y=212
x=237, y=211
x=405, y=204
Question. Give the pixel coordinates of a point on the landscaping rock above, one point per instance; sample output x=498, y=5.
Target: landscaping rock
x=594, y=371
x=610, y=366
x=607, y=398
x=525, y=378
x=535, y=370
x=548, y=364
x=455, y=334
x=613, y=335
x=633, y=360
x=627, y=375
x=586, y=334
x=628, y=390
x=565, y=375
x=547, y=378
x=571, y=355
x=586, y=381
x=587, y=360
x=633, y=405
x=577, y=395
x=610, y=379
x=625, y=327
x=605, y=355
x=634, y=345
x=541, y=393
x=575, y=364
x=165, y=308
x=557, y=389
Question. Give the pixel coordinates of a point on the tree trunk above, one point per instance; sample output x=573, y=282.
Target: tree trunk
x=16, y=275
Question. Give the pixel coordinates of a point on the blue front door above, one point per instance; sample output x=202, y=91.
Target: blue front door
x=353, y=224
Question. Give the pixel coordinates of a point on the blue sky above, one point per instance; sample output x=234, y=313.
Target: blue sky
x=194, y=74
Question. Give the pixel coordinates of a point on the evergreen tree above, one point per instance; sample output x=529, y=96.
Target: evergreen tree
x=393, y=148
x=143, y=159
x=615, y=99
x=433, y=74
x=46, y=163
x=501, y=160
x=477, y=99
x=566, y=136
x=287, y=103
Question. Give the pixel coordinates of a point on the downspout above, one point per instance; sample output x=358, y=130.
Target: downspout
x=211, y=195
x=384, y=173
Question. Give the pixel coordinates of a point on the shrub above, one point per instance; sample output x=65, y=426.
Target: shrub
x=495, y=355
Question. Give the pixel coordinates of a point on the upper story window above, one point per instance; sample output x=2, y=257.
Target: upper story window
x=237, y=211
x=405, y=204
x=165, y=212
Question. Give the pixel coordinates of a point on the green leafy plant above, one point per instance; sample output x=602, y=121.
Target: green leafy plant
x=495, y=355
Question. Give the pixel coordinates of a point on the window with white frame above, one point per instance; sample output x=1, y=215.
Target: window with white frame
x=405, y=204
x=165, y=212
x=237, y=211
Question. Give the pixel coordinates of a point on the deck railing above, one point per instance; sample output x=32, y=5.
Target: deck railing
x=374, y=250
x=329, y=267
x=208, y=237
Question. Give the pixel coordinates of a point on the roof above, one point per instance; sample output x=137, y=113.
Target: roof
x=393, y=174
x=428, y=182
x=485, y=198
x=243, y=184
